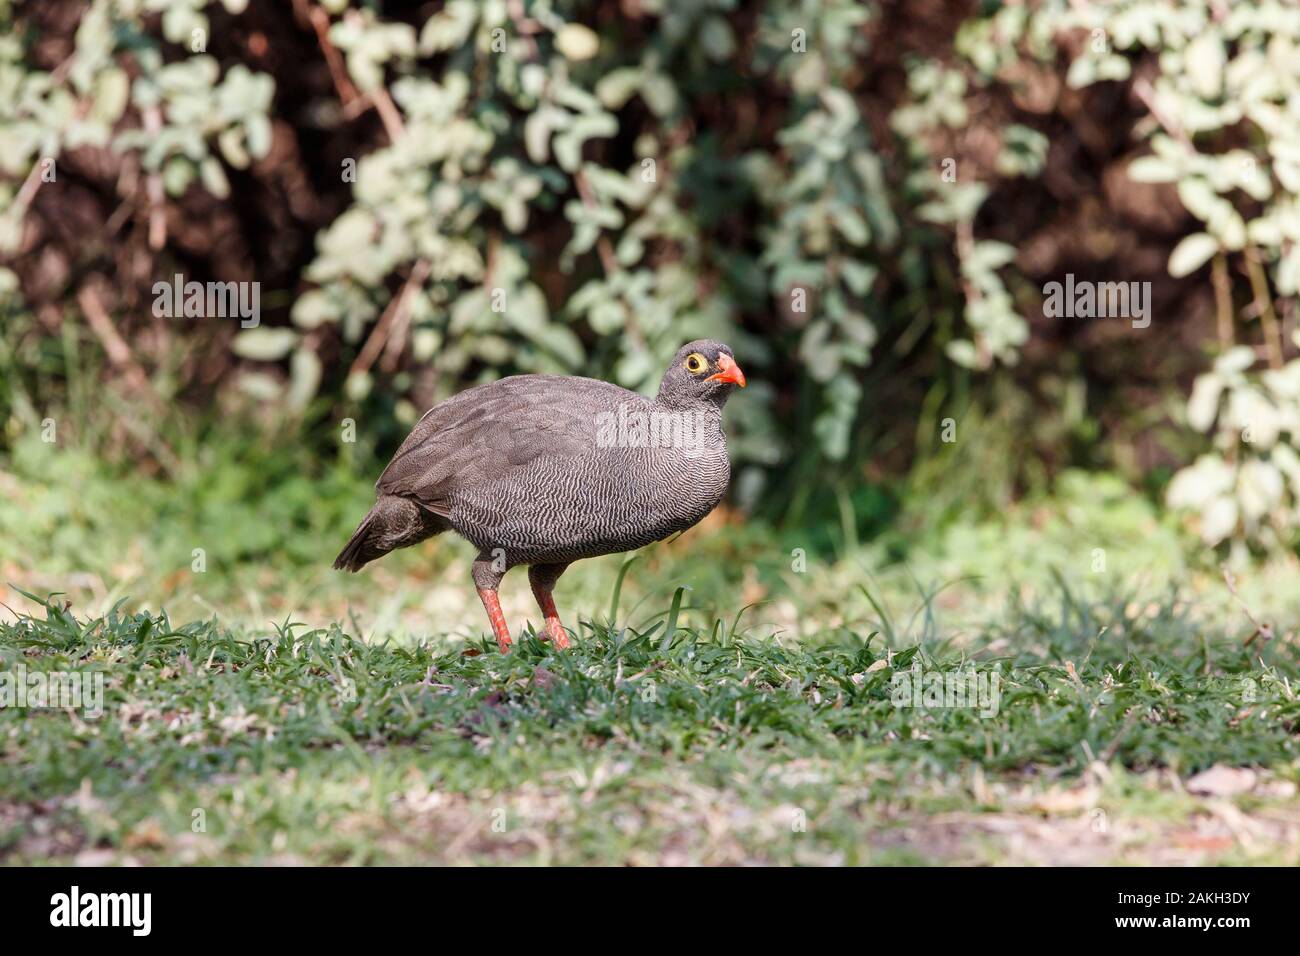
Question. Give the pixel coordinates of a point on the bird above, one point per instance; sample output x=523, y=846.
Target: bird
x=545, y=470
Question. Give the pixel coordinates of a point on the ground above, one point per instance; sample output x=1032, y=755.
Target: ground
x=665, y=744
x=1122, y=709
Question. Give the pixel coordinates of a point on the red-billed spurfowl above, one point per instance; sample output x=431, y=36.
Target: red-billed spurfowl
x=544, y=470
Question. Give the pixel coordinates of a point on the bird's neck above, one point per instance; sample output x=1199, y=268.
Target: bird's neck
x=707, y=409
x=695, y=426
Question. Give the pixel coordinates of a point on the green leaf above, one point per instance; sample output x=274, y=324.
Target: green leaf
x=616, y=87
x=618, y=588
x=562, y=343
x=112, y=90
x=264, y=344
x=214, y=177
x=859, y=276
x=674, y=611
x=1152, y=169
x=1204, y=403
x=1205, y=60
x=717, y=40
x=304, y=378
x=313, y=309
x=577, y=42
x=963, y=353
x=1192, y=253
x=568, y=145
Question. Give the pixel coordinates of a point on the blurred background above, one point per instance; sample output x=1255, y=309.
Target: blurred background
x=869, y=201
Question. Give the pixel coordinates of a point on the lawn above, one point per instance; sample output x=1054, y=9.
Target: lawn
x=788, y=708
x=655, y=744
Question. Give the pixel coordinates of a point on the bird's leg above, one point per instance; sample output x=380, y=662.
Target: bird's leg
x=543, y=577
x=487, y=579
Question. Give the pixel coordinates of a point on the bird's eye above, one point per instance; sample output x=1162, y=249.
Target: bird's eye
x=696, y=363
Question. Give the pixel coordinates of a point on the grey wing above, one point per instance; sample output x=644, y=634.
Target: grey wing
x=486, y=432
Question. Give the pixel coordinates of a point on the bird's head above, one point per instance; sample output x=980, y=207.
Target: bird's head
x=703, y=370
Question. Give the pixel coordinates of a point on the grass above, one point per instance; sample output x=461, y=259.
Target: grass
x=749, y=719
x=662, y=743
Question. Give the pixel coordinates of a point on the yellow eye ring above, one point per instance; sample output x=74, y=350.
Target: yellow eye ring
x=696, y=363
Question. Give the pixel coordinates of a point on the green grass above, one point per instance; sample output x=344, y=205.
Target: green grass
x=659, y=743
x=753, y=723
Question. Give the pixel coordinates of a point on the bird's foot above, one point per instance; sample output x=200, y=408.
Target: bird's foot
x=555, y=631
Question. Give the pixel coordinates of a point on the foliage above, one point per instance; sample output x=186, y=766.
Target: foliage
x=567, y=186
x=1224, y=128
x=1250, y=484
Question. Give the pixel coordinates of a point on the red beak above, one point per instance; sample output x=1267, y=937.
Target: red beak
x=730, y=371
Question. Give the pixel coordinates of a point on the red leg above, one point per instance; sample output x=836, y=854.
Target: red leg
x=493, y=608
x=553, y=625
x=542, y=577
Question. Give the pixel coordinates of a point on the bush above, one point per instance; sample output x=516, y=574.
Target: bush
x=867, y=200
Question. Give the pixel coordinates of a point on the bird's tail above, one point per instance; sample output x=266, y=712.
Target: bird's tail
x=392, y=523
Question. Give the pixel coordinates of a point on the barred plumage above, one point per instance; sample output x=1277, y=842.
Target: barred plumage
x=544, y=470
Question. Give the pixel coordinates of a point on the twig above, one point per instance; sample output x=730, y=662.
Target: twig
x=1074, y=676
x=115, y=347
x=1144, y=91
x=1262, y=631
x=31, y=186
x=1222, y=300
x=354, y=102
x=389, y=334
x=965, y=236
x=154, y=186
x=524, y=26
x=397, y=340
x=320, y=22
x=388, y=114
x=1113, y=747
x=379, y=98
x=603, y=246
x=1264, y=303
x=1287, y=317
x=119, y=354
x=33, y=183
x=394, y=316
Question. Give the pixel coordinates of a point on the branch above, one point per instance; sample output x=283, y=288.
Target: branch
x=604, y=249
x=31, y=186
x=33, y=183
x=115, y=347
x=1264, y=304
x=1145, y=92
x=395, y=318
x=320, y=22
x=154, y=187
x=1222, y=300
x=379, y=97
x=1263, y=631
x=354, y=102
x=119, y=354
x=389, y=115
